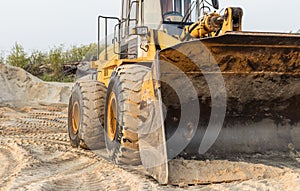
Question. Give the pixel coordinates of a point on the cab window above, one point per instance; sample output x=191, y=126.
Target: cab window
x=175, y=10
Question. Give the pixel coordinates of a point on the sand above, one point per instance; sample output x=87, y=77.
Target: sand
x=19, y=87
x=35, y=154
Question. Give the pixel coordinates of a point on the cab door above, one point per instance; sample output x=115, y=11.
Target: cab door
x=130, y=19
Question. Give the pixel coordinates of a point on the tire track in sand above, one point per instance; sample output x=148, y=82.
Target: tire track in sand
x=49, y=160
x=11, y=163
x=35, y=154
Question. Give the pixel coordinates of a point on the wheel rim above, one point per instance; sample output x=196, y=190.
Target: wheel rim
x=112, y=117
x=75, y=117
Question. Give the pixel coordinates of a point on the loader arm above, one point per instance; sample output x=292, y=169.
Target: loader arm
x=213, y=24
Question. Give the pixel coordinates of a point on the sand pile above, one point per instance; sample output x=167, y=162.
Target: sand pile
x=18, y=86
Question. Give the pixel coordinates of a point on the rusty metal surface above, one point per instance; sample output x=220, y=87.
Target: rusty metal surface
x=256, y=39
x=261, y=72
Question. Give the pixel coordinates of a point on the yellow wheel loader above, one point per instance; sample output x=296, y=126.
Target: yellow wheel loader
x=181, y=79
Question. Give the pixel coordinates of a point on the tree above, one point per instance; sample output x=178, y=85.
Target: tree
x=37, y=63
x=18, y=57
x=92, y=51
x=81, y=53
x=49, y=66
x=56, y=59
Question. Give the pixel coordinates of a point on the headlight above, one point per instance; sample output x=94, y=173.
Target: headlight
x=143, y=30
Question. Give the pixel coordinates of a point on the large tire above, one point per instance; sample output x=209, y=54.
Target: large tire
x=125, y=88
x=86, y=115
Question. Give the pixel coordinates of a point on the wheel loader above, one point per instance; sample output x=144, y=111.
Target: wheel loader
x=180, y=78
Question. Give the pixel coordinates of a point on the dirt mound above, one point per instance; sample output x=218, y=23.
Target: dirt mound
x=218, y=171
x=18, y=86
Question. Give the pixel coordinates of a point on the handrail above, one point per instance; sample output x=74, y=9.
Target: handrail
x=115, y=29
x=119, y=37
x=99, y=35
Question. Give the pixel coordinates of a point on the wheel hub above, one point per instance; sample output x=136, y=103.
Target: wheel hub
x=112, y=117
x=75, y=117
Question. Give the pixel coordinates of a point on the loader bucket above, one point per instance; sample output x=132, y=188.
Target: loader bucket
x=229, y=95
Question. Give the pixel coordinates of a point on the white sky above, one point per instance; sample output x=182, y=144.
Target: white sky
x=41, y=24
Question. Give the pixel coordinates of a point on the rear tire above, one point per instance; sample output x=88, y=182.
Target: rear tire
x=86, y=115
x=121, y=117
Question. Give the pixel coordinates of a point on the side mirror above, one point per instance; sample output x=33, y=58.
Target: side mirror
x=215, y=4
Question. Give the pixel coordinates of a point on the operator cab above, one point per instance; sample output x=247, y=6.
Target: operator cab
x=172, y=15
x=187, y=11
x=138, y=16
x=174, y=10
x=176, y=14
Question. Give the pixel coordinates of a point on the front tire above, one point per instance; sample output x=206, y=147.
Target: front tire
x=122, y=114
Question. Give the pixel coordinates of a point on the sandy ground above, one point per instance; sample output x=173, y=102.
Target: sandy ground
x=35, y=153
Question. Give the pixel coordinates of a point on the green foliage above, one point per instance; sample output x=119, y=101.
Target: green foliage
x=37, y=63
x=82, y=53
x=49, y=65
x=18, y=57
x=56, y=60
x=91, y=51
